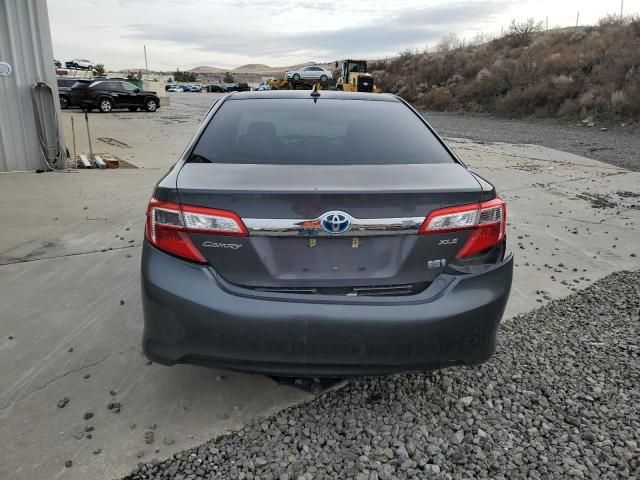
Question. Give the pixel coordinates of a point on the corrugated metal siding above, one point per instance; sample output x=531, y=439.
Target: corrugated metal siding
x=25, y=43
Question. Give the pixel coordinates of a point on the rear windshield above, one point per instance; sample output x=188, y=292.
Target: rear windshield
x=329, y=131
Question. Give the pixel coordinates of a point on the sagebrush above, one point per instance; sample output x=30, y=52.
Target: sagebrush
x=568, y=73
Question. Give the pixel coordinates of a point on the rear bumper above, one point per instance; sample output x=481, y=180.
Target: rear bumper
x=192, y=316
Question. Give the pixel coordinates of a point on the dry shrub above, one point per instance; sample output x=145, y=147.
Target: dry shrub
x=484, y=74
x=439, y=99
x=566, y=73
x=569, y=109
x=626, y=103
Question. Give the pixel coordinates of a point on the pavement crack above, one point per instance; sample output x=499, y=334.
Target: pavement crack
x=59, y=377
x=556, y=182
x=101, y=250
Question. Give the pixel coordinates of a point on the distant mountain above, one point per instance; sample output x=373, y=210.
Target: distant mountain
x=207, y=69
x=253, y=67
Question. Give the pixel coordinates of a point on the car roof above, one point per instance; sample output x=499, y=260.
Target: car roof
x=331, y=94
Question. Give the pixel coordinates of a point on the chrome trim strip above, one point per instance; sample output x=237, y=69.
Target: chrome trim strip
x=360, y=227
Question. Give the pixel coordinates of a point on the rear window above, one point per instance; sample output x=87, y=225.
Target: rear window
x=329, y=131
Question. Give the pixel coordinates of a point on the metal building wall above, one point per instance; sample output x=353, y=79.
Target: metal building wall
x=25, y=44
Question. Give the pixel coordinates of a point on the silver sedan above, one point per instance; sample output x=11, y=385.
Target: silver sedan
x=311, y=72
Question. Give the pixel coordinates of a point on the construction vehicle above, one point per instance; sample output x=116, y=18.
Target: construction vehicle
x=291, y=84
x=354, y=77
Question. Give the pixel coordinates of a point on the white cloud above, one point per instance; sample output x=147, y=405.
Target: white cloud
x=228, y=33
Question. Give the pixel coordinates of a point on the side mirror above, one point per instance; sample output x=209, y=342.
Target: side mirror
x=137, y=90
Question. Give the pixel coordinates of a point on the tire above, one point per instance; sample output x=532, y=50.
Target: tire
x=133, y=109
x=75, y=66
x=296, y=77
x=105, y=105
x=151, y=105
x=64, y=102
x=324, y=78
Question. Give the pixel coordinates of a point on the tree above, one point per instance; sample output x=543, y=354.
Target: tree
x=98, y=70
x=184, y=76
x=521, y=34
x=134, y=76
x=228, y=78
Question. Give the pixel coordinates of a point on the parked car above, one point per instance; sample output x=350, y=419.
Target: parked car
x=262, y=86
x=105, y=95
x=80, y=64
x=64, y=89
x=238, y=87
x=175, y=88
x=216, y=88
x=322, y=234
x=311, y=72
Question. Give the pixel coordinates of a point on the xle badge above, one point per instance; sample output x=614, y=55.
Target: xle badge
x=436, y=263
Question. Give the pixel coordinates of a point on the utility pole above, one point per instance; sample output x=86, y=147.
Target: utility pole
x=146, y=65
x=621, y=9
x=577, y=18
x=547, y=22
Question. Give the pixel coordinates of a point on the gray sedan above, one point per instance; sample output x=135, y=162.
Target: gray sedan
x=322, y=234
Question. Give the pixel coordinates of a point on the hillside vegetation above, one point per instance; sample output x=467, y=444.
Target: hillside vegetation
x=566, y=73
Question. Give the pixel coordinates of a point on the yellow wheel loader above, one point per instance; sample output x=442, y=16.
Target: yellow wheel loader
x=355, y=78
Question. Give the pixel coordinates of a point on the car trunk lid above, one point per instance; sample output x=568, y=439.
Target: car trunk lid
x=272, y=198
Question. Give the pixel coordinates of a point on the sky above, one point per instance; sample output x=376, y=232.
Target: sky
x=229, y=33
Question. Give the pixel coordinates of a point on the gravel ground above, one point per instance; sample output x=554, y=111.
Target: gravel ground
x=561, y=399
x=617, y=145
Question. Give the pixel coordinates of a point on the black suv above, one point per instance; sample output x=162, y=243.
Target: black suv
x=64, y=90
x=105, y=95
x=239, y=87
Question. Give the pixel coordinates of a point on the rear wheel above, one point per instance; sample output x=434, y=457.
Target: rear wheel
x=324, y=78
x=296, y=77
x=105, y=105
x=64, y=102
x=151, y=105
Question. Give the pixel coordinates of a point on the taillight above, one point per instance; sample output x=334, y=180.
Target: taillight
x=487, y=221
x=168, y=225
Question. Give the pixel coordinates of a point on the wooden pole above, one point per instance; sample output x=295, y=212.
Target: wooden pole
x=146, y=64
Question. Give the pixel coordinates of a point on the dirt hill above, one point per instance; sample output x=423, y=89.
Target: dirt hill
x=565, y=73
x=253, y=68
x=207, y=69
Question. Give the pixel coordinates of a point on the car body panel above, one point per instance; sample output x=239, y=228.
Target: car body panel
x=193, y=316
